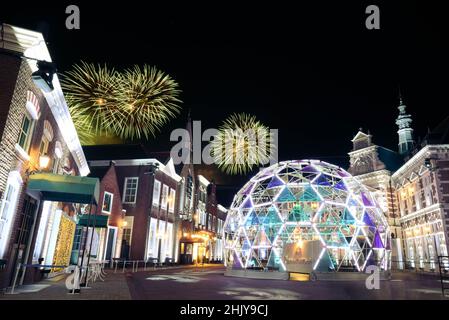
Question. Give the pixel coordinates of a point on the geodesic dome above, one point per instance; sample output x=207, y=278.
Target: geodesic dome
x=304, y=216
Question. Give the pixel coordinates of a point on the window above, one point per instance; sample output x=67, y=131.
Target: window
x=130, y=193
x=7, y=208
x=171, y=203
x=127, y=235
x=25, y=132
x=164, y=197
x=43, y=149
x=156, y=192
x=209, y=222
x=58, y=153
x=107, y=202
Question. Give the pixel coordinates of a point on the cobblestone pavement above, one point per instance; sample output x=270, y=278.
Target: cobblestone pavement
x=208, y=282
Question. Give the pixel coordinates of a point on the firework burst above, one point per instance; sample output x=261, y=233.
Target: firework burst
x=132, y=104
x=91, y=95
x=242, y=142
x=83, y=125
x=148, y=100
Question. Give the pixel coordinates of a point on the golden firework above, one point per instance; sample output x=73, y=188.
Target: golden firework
x=148, y=100
x=242, y=143
x=132, y=104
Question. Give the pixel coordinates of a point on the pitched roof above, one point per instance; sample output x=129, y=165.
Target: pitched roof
x=440, y=134
x=98, y=172
x=392, y=160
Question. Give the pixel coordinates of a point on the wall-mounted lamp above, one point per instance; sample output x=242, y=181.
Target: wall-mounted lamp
x=44, y=160
x=43, y=77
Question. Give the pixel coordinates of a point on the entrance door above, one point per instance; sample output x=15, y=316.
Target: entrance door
x=27, y=216
x=110, y=244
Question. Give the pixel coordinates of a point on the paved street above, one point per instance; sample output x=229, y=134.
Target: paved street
x=209, y=283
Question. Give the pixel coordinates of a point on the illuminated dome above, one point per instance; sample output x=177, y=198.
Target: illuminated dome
x=304, y=216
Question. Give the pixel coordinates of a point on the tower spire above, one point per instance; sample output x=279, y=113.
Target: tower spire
x=400, y=96
x=405, y=132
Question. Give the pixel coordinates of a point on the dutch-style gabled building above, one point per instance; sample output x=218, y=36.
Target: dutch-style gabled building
x=412, y=186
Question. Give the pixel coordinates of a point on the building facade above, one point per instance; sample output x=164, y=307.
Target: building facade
x=107, y=238
x=412, y=186
x=37, y=135
x=201, y=217
x=149, y=195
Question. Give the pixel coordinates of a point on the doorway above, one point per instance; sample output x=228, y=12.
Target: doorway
x=110, y=243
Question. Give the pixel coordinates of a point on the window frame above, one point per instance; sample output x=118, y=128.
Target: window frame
x=172, y=197
x=164, y=200
x=156, y=197
x=110, y=203
x=28, y=135
x=125, y=189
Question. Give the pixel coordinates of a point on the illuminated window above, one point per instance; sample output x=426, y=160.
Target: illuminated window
x=107, y=202
x=156, y=192
x=164, y=197
x=171, y=204
x=130, y=192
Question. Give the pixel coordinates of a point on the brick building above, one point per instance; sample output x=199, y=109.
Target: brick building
x=110, y=234
x=36, y=134
x=200, y=236
x=149, y=192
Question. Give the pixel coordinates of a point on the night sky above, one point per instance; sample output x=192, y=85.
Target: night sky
x=312, y=71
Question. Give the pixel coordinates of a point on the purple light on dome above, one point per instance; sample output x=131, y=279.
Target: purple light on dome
x=368, y=220
x=343, y=174
x=248, y=189
x=248, y=203
x=366, y=201
x=309, y=169
x=341, y=186
x=378, y=241
x=275, y=182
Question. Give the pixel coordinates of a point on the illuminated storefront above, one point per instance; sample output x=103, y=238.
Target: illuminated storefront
x=55, y=234
x=160, y=240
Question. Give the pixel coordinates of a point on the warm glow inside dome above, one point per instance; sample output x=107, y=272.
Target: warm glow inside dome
x=304, y=216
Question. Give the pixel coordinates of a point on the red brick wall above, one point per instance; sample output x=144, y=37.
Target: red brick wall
x=141, y=209
x=8, y=77
x=109, y=184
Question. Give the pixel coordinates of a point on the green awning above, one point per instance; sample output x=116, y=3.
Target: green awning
x=64, y=188
x=100, y=221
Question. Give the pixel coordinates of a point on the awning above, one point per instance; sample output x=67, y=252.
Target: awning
x=100, y=221
x=64, y=188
